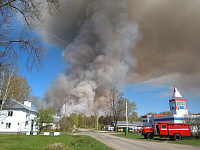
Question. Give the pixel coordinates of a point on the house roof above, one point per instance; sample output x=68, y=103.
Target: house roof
x=130, y=123
x=57, y=119
x=11, y=104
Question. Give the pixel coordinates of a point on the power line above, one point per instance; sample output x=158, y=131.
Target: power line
x=69, y=44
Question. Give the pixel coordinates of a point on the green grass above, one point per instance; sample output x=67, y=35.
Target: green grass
x=38, y=142
x=186, y=140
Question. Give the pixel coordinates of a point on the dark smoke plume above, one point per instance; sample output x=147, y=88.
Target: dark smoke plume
x=123, y=41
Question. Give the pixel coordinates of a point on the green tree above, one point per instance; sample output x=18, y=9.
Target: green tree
x=165, y=113
x=74, y=119
x=93, y=121
x=13, y=86
x=133, y=117
x=81, y=121
x=65, y=124
x=19, y=88
x=131, y=107
x=151, y=113
x=45, y=115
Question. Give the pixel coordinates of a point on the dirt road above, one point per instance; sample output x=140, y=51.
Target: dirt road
x=119, y=143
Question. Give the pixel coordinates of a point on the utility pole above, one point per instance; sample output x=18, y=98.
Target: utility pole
x=97, y=121
x=126, y=118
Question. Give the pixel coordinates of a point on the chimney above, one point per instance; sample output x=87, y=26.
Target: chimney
x=27, y=103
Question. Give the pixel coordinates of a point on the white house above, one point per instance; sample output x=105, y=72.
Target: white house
x=17, y=117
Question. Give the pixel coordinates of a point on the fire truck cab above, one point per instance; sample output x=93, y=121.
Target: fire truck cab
x=175, y=131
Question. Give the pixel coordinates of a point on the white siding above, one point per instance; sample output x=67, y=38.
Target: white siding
x=17, y=120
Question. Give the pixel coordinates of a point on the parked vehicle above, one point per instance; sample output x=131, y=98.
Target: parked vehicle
x=175, y=131
x=139, y=130
x=123, y=129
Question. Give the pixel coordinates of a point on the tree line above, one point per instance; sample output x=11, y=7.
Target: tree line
x=46, y=115
x=115, y=106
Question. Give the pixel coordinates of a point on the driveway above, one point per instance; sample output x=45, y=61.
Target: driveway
x=119, y=143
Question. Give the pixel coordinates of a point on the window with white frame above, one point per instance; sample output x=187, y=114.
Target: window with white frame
x=172, y=105
x=10, y=113
x=181, y=104
x=8, y=125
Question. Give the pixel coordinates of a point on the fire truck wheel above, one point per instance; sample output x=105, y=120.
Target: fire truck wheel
x=177, y=137
x=149, y=135
x=171, y=138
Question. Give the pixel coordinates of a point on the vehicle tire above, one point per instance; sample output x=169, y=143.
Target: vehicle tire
x=177, y=137
x=171, y=137
x=149, y=135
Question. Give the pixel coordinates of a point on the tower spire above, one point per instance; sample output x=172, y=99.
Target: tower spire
x=176, y=93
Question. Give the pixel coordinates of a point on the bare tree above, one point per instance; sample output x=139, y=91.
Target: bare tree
x=4, y=86
x=16, y=40
x=117, y=105
x=194, y=121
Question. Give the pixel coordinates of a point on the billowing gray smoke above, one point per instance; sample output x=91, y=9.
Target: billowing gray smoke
x=122, y=41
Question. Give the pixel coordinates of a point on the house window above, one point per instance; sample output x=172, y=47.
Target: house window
x=26, y=123
x=8, y=125
x=10, y=113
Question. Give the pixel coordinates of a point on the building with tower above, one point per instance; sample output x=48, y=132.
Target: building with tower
x=178, y=109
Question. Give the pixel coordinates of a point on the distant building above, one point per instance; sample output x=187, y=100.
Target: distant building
x=132, y=125
x=55, y=123
x=178, y=109
x=17, y=117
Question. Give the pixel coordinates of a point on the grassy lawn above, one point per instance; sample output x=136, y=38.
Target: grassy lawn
x=186, y=140
x=38, y=142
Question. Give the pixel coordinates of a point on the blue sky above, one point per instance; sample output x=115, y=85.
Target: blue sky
x=152, y=100
x=52, y=66
x=147, y=99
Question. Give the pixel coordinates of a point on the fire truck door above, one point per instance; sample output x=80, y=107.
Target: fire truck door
x=156, y=130
x=163, y=130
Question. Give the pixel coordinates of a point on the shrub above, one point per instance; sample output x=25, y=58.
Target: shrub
x=64, y=124
x=56, y=146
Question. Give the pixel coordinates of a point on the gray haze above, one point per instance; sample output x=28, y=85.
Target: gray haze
x=123, y=41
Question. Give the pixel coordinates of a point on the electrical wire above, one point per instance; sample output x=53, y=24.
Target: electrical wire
x=68, y=44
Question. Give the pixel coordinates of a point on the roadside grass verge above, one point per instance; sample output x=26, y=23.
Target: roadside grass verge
x=38, y=142
x=186, y=140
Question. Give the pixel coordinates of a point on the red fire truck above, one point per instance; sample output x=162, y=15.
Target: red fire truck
x=174, y=131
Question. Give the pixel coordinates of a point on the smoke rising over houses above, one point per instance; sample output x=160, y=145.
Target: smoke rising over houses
x=122, y=41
